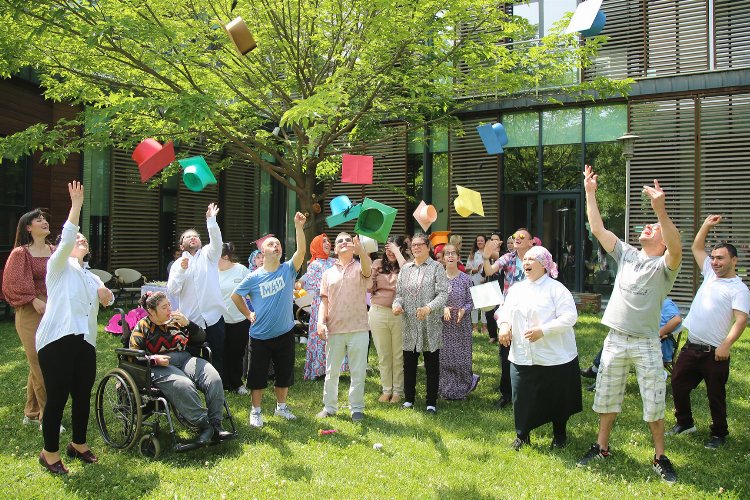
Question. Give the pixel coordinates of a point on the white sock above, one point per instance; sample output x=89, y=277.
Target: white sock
x=408, y=405
x=431, y=408
x=280, y=406
x=256, y=409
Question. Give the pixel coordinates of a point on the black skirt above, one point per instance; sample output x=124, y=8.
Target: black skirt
x=543, y=394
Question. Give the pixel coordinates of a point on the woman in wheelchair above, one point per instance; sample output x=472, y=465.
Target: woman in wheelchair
x=164, y=335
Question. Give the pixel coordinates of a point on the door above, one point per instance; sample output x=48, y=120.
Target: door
x=558, y=222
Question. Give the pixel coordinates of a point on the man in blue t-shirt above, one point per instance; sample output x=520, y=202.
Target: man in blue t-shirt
x=271, y=292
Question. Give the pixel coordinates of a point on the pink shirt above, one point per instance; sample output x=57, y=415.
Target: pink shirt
x=345, y=288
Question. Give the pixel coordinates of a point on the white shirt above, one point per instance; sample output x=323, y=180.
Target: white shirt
x=198, y=286
x=711, y=313
x=72, y=303
x=546, y=304
x=228, y=281
x=476, y=262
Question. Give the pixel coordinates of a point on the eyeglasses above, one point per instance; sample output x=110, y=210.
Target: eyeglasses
x=519, y=236
x=450, y=254
x=415, y=245
x=343, y=240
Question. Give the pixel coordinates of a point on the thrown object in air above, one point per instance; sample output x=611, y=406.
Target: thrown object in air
x=468, y=202
x=152, y=157
x=356, y=169
x=486, y=296
x=195, y=173
x=342, y=211
x=370, y=245
x=493, y=137
x=240, y=35
x=425, y=215
x=588, y=19
x=375, y=220
x=438, y=238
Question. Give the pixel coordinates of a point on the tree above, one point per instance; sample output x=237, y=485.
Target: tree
x=324, y=78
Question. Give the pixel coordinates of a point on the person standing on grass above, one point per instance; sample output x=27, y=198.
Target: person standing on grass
x=66, y=340
x=510, y=265
x=474, y=264
x=537, y=322
x=421, y=293
x=194, y=280
x=644, y=278
x=343, y=324
x=271, y=291
x=456, y=377
x=237, y=326
x=387, y=328
x=717, y=318
x=25, y=289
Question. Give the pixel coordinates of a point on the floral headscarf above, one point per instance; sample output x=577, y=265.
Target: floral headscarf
x=251, y=260
x=542, y=255
x=316, y=248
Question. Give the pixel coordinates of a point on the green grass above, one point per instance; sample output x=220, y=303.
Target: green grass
x=463, y=452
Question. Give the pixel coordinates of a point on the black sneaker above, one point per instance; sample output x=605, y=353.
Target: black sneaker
x=680, y=429
x=502, y=402
x=594, y=453
x=664, y=468
x=588, y=372
x=520, y=443
x=715, y=442
x=559, y=442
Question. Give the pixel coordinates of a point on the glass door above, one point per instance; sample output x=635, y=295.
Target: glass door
x=558, y=222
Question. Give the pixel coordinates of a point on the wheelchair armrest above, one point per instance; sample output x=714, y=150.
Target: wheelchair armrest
x=138, y=353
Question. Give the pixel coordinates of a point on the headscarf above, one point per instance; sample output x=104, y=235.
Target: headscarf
x=251, y=261
x=316, y=248
x=542, y=255
x=537, y=241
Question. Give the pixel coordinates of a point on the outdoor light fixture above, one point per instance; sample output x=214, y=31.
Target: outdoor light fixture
x=628, y=146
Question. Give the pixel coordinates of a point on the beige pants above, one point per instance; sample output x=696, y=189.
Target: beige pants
x=388, y=336
x=27, y=321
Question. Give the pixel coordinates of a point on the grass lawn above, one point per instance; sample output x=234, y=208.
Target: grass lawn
x=463, y=452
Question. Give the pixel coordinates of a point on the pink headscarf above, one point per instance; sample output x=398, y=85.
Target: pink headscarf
x=542, y=255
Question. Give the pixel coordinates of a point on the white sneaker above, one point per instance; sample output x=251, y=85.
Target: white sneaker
x=242, y=391
x=27, y=420
x=62, y=429
x=284, y=412
x=256, y=419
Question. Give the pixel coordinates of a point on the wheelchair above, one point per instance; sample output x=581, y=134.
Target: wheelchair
x=129, y=408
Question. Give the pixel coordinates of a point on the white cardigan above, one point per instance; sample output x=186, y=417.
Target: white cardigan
x=547, y=304
x=72, y=303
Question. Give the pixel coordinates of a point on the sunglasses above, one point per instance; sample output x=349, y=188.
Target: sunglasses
x=519, y=236
x=343, y=240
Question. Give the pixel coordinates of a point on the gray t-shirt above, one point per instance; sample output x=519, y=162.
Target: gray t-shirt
x=641, y=285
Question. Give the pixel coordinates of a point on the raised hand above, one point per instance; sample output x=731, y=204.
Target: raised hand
x=212, y=211
x=299, y=220
x=712, y=220
x=656, y=194
x=75, y=189
x=489, y=248
x=590, y=179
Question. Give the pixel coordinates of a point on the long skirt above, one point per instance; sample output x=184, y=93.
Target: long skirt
x=543, y=394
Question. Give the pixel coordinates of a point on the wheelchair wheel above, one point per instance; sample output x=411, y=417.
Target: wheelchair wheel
x=118, y=409
x=149, y=446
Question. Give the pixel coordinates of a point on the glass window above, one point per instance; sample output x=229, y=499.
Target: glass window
x=554, y=10
x=14, y=201
x=563, y=126
x=521, y=169
x=522, y=129
x=605, y=123
x=561, y=167
x=528, y=11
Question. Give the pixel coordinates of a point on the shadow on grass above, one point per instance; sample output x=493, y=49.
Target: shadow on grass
x=461, y=492
x=88, y=482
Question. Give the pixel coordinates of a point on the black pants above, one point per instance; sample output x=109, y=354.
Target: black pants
x=236, y=345
x=491, y=323
x=69, y=369
x=506, y=390
x=432, y=369
x=215, y=337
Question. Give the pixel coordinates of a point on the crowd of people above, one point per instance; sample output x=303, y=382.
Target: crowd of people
x=414, y=299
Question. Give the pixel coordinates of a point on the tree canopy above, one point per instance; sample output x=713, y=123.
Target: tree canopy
x=327, y=73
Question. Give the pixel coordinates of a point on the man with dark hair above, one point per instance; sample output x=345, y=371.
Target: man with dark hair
x=194, y=279
x=717, y=318
x=644, y=278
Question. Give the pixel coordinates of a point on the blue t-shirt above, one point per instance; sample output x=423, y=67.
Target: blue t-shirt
x=272, y=296
x=668, y=311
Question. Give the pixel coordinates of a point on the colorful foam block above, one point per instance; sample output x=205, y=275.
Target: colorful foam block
x=356, y=169
x=375, y=220
x=342, y=211
x=195, y=173
x=468, y=202
x=493, y=137
x=152, y=157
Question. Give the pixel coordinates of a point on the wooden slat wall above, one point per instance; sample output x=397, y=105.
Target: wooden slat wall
x=624, y=53
x=652, y=38
x=732, y=33
x=725, y=172
x=665, y=151
x=240, y=189
x=388, y=187
x=471, y=167
x=134, y=219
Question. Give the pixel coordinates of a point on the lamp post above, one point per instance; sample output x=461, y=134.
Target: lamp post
x=628, y=146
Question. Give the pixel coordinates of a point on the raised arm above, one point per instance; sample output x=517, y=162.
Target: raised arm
x=673, y=255
x=490, y=247
x=364, y=258
x=299, y=254
x=699, y=243
x=607, y=239
x=397, y=253
x=60, y=256
x=215, y=241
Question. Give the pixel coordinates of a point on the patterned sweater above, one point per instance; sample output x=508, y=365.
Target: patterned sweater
x=161, y=339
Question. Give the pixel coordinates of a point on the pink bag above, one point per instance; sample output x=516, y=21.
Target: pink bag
x=114, y=326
